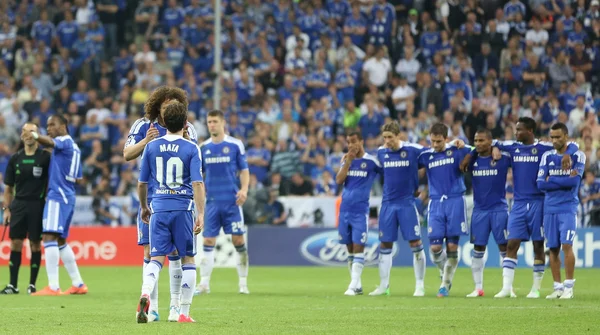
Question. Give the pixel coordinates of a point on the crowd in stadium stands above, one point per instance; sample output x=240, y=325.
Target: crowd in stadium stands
x=296, y=74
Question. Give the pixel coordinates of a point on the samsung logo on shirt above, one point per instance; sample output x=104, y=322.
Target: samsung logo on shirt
x=441, y=162
x=169, y=147
x=526, y=159
x=485, y=173
x=393, y=164
x=559, y=172
x=357, y=173
x=214, y=160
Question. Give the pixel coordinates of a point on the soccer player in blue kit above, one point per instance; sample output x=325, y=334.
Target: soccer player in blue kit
x=357, y=173
x=65, y=170
x=172, y=166
x=490, y=214
x=561, y=199
x=398, y=209
x=525, y=218
x=144, y=130
x=447, y=212
x=224, y=157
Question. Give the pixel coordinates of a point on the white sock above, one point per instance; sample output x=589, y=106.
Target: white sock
x=357, y=268
x=538, y=275
x=151, y=272
x=68, y=258
x=450, y=269
x=176, y=274
x=187, y=288
x=208, y=262
x=52, y=259
x=508, y=273
x=350, y=261
x=419, y=264
x=385, y=267
x=477, y=266
x=439, y=259
x=242, y=264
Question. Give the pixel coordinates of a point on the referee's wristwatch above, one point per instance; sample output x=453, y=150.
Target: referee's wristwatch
x=5, y=208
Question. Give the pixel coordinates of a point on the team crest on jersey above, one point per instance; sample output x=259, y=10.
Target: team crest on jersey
x=403, y=154
x=534, y=151
x=226, y=150
x=363, y=165
x=448, y=153
x=493, y=163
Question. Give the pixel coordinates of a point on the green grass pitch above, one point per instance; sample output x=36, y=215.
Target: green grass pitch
x=306, y=300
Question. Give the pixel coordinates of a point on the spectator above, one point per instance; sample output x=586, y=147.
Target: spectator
x=300, y=186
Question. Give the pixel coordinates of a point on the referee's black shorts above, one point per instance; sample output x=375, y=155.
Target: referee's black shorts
x=26, y=218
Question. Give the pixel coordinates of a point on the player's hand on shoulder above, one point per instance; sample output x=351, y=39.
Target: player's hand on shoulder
x=459, y=143
x=152, y=133
x=464, y=164
x=566, y=163
x=186, y=135
x=496, y=154
x=199, y=224
x=574, y=173
x=146, y=215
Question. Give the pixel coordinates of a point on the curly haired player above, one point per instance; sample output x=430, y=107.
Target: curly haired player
x=144, y=130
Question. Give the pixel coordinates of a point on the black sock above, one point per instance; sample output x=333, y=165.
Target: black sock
x=14, y=265
x=36, y=261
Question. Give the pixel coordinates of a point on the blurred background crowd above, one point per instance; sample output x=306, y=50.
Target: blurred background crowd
x=296, y=74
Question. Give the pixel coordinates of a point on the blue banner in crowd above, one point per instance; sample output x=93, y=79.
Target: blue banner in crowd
x=280, y=246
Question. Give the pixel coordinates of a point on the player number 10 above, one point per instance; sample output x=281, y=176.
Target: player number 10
x=172, y=163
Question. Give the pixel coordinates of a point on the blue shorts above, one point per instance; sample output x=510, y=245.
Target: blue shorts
x=560, y=229
x=170, y=231
x=353, y=228
x=402, y=215
x=57, y=217
x=218, y=215
x=484, y=222
x=447, y=218
x=525, y=221
x=142, y=229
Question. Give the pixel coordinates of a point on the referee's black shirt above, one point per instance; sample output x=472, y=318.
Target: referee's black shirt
x=28, y=174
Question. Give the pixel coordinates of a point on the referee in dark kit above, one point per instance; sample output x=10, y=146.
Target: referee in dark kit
x=26, y=180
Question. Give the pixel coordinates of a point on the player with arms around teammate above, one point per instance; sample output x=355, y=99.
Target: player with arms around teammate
x=357, y=173
x=525, y=218
x=65, y=170
x=447, y=212
x=224, y=157
x=490, y=214
x=26, y=179
x=173, y=165
x=398, y=209
x=561, y=199
x=144, y=130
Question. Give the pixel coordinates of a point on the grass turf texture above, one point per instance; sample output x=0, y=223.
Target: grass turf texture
x=300, y=300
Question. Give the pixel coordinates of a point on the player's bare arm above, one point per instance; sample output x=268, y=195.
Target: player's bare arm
x=242, y=194
x=143, y=196
x=134, y=151
x=199, y=197
x=8, y=198
x=347, y=159
x=44, y=140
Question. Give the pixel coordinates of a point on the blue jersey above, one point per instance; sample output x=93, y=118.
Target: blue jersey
x=170, y=164
x=562, y=190
x=443, y=172
x=221, y=164
x=140, y=128
x=357, y=186
x=400, y=171
x=489, y=180
x=525, y=163
x=65, y=169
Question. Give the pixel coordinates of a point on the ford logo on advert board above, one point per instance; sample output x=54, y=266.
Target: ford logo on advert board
x=324, y=249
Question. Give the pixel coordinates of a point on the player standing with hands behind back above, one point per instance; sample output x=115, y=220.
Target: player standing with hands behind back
x=27, y=176
x=172, y=165
x=561, y=199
